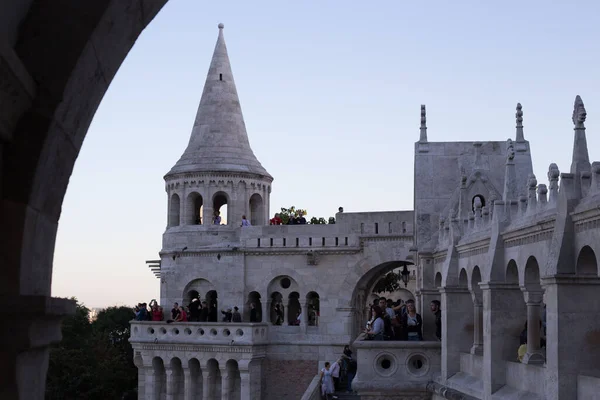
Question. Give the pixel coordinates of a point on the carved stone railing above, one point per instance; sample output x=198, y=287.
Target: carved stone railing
x=199, y=333
x=395, y=367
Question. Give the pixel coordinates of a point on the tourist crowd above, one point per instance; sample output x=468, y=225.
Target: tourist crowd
x=196, y=311
x=338, y=375
x=389, y=320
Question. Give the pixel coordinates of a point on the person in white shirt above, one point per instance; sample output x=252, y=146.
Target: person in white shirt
x=335, y=374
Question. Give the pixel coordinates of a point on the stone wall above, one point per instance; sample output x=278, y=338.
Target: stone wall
x=288, y=379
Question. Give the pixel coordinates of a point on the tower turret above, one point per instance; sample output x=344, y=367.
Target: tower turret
x=218, y=167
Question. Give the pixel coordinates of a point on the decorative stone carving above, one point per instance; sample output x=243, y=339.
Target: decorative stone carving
x=423, y=135
x=519, y=116
x=579, y=113
x=542, y=194
x=510, y=151
x=553, y=174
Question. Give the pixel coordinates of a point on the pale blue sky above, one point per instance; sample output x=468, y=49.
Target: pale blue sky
x=331, y=93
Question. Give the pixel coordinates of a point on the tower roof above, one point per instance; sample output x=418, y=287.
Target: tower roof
x=219, y=142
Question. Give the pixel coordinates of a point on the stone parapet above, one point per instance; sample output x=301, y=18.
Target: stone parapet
x=212, y=333
x=388, y=368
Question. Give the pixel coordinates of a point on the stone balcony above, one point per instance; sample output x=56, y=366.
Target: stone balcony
x=213, y=333
x=395, y=369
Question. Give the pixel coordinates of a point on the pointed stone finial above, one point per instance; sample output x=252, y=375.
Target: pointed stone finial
x=579, y=113
x=221, y=26
x=519, y=116
x=581, y=159
x=423, y=136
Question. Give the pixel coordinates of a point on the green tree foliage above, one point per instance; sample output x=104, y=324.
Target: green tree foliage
x=389, y=283
x=286, y=213
x=94, y=360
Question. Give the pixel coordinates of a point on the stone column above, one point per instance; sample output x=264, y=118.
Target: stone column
x=206, y=381
x=571, y=347
x=256, y=378
x=266, y=311
x=226, y=381
x=172, y=384
x=456, y=324
x=304, y=308
x=477, y=327
x=245, y=387
x=428, y=317
x=285, y=313
x=151, y=388
x=533, y=300
x=503, y=319
x=189, y=385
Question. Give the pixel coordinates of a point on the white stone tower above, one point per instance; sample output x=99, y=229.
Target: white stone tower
x=218, y=166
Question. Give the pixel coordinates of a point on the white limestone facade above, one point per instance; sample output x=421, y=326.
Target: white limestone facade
x=485, y=238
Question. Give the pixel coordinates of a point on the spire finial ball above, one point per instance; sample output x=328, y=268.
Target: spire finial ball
x=221, y=26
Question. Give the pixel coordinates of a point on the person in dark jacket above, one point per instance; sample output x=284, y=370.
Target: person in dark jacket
x=204, y=312
x=435, y=309
x=236, y=316
x=253, y=313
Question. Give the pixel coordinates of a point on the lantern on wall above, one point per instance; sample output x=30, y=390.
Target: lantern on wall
x=405, y=275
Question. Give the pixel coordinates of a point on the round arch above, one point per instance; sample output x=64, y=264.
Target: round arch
x=257, y=210
x=194, y=206
x=587, y=263
x=221, y=203
x=361, y=295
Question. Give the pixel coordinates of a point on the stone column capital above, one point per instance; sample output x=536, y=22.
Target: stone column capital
x=454, y=289
x=498, y=286
x=533, y=297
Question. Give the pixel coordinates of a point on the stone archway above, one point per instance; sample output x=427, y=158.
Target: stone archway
x=361, y=296
x=64, y=56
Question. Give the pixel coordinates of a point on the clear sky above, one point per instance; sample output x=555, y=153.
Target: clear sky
x=331, y=94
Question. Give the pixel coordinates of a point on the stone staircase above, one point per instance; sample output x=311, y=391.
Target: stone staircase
x=347, y=396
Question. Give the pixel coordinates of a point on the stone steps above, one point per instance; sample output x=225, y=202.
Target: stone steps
x=347, y=396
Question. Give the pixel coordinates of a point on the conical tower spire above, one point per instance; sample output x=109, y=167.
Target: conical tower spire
x=219, y=142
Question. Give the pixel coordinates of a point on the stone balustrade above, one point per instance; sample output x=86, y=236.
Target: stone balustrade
x=388, y=367
x=200, y=333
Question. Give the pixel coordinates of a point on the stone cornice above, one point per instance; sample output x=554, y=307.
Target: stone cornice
x=453, y=289
x=216, y=174
x=571, y=280
x=474, y=248
x=586, y=219
x=440, y=257
x=499, y=286
x=387, y=238
x=539, y=232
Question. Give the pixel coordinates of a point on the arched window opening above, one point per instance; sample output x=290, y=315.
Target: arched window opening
x=481, y=198
x=477, y=295
x=220, y=209
x=463, y=280
x=195, y=209
x=512, y=273
x=438, y=280
x=314, y=308
x=293, y=308
x=177, y=381
x=160, y=377
x=213, y=306
x=586, y=262
x=277, y=308
x=253, y=309
x=214, y=379
x=532, y=275
x=196, y=378
x=257, y=216
x=174, y=210
x=233, y=383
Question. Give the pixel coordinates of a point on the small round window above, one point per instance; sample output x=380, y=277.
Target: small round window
x=417, y=364
x=285, y=283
